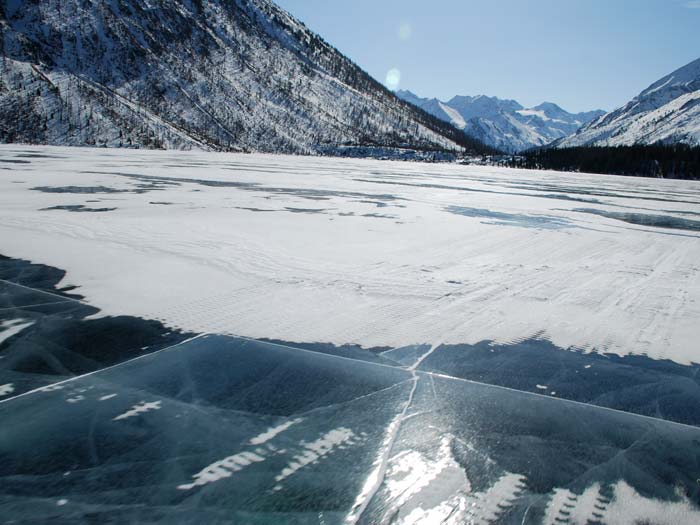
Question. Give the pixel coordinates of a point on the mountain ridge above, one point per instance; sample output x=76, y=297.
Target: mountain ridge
x=667, y=112
x=241, y=75
x=504, y=123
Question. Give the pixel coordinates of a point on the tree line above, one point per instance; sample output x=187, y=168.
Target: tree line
x=677, y=161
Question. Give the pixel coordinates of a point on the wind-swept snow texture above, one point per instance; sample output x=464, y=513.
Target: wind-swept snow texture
x=666, y=112
x=215, y=75
x=379, y=254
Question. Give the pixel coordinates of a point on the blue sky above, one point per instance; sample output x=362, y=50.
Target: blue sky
x=581, y=54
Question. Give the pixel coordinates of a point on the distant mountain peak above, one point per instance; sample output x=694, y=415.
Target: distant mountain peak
x=549, y=106
x=504, y=123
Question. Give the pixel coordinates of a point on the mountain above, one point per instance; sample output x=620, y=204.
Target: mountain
x=504, y=124
x=239, y=75
x=667, y=112
x=482, y=106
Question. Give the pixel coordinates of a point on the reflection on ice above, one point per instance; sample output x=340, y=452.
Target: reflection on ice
x=516, y=451
x=417, y=485
x=287, y=434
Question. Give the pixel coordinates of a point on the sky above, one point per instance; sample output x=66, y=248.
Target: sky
x=580, y=54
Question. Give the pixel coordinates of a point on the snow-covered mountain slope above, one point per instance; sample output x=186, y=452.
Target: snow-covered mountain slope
x=668, y=111
x=482, y=106
x=222, y=75
x=504, y=124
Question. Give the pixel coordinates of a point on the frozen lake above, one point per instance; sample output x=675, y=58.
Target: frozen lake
x=379, y=254
x=247, y=338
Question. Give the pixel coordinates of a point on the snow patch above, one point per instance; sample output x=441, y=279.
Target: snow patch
x=316, y=450
x=11, y=328
x=7, y=389
x=223, y=469
x=274, y=431
x=139, y=409
x=106, y=397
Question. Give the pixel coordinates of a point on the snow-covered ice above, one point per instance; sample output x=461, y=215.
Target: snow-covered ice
x=356, y=251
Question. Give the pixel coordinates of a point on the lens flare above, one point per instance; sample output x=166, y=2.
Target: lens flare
x=393, y=79
x=405, y=31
